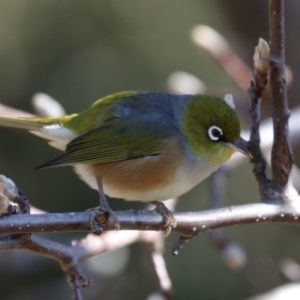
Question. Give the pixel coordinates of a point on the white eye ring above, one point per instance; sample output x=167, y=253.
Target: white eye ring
x=214, y=133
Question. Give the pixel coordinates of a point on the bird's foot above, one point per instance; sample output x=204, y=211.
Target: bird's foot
x=169, y=219
x=112, y=216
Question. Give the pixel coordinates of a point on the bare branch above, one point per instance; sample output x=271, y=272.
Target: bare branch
x=93, y=245
x=72, y=222
x=209, y=40
x=56, y=251
x=282, y=157
x=189, y=223
x=10, y=111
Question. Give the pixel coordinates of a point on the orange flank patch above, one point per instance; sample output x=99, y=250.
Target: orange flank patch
x=142, y=174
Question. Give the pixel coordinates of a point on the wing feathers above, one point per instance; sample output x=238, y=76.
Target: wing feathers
x=133, y=127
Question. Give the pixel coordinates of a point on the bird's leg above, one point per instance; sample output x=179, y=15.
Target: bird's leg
x=102, y=198
x=169, y=219
x=104, y=206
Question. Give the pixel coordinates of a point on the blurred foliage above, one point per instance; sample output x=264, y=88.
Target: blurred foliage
x=78, y=51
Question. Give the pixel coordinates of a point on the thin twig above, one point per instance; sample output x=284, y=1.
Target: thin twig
x=217, y=183
x=258, y=84
x=155, y=249
x=75, y=290
x=234, y=255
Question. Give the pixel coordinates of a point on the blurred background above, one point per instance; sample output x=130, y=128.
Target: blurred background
x=79, y=51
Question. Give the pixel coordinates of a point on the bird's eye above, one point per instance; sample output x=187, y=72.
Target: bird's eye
x=215, y=133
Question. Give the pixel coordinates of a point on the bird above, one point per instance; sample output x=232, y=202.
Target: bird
x=142, y=146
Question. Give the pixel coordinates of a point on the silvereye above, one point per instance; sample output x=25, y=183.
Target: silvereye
x=142, y=146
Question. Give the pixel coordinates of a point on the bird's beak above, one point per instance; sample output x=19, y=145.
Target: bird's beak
x=240, y=146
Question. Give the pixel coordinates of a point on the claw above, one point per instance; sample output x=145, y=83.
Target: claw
x=169, y=219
